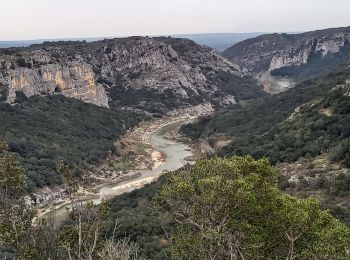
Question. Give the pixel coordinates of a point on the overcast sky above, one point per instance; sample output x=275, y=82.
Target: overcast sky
x=42, y=19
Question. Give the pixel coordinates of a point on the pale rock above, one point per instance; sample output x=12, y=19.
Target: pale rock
x=75, y=81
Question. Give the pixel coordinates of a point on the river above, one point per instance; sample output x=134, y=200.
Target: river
x=176, y=156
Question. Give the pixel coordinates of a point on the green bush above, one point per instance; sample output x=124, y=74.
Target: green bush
x=231, y=208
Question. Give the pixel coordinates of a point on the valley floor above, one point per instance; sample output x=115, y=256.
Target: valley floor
x=154, y=149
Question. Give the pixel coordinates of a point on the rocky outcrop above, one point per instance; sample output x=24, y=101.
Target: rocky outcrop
x=290, y=54
x=344, y=88
x=75, y=80
x=142, y=72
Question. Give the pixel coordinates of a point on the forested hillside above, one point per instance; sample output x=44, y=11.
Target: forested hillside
x=45, y=130
x=304, y=132
x=204, y=205
x=261, y=128
x=317, y=127
x=216, y=209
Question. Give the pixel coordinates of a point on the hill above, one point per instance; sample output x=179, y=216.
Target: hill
x=45, y=130
x=218, y=41
x=298, y=56
x=264, y=119
x=304, y=132
x=152, y=74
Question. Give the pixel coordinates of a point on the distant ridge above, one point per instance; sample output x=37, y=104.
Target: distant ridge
x=26, y=43
x=298, y=56
x=218, y=41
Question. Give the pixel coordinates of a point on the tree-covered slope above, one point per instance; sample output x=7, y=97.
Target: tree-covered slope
x=304, y=132
x=263, y=128
x=44, y=130
x=317, y=127
x=139, y=220
x=205, y=209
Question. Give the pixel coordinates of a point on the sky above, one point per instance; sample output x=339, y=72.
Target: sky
x=53, y=19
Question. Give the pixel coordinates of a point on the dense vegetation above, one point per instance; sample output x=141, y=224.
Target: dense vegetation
x=304, y=132
x=261, y=128
x=317, y=128
x=45, y=130
x=216, y=209
x=138, y=219
x=203, y=194
x=82, y=236
x=232, y=209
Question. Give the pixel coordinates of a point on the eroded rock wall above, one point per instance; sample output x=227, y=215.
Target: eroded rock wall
x=74, y=80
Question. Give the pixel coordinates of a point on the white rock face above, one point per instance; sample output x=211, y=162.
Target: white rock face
x=200, y=110
x=285, y=60
x=290, y=57
x=346, y=88
x=75, y=81
x=228, y=100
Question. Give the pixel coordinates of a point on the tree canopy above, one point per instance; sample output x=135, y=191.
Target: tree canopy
x=24, y=235
x=231, y=208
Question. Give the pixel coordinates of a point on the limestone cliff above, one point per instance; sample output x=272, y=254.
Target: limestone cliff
x=74, y=80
